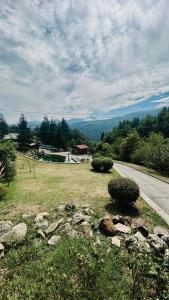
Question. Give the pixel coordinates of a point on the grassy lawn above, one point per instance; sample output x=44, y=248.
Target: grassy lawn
x=56, y=184
x=75, y=269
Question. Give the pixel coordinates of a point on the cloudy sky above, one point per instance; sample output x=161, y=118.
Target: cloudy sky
x=83, y=58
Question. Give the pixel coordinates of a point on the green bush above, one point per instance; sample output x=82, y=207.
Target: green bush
x=2, y=191
x=124, y=191
x=102, y=164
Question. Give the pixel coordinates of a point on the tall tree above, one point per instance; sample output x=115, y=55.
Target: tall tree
x=24, y=136
x=44, y=131
x=3, y=126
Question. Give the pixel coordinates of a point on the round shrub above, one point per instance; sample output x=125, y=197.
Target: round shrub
x=102, y=164
x=125, y=191
x=2, y=191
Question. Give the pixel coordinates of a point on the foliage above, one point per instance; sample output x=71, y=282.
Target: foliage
x=24, y=136
x=3, y=126
x=59, y=135
x=7, y=157
x=2, y=192
x=102, y=164
x=129, y=145
x=123, y=190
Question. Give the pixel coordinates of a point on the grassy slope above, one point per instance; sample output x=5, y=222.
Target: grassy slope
x=75, y=269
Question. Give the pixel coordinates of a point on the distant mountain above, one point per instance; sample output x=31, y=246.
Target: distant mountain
x=93, y=129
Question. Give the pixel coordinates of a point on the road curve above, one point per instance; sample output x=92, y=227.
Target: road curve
x=153, y=190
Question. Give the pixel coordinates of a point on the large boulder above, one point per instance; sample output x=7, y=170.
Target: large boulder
x=5, y=227
x=53, y=226
x=107, y=227
x=17, y=234
x=160, y=231
x=122, y=228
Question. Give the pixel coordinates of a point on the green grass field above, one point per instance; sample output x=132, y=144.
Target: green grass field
x=75, y=269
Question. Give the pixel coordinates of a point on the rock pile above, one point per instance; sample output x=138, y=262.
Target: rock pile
x=74, y=222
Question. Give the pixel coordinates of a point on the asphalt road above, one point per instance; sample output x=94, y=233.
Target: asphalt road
x=156, y=190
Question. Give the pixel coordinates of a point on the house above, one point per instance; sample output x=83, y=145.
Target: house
x=11, y=137
x=80, y=149
x=35, y=145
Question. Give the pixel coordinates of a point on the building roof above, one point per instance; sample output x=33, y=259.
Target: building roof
x=11, y=136
x=81, y=147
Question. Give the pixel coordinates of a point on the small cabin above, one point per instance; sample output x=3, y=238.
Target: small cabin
x=35, y=145
x=80, y=149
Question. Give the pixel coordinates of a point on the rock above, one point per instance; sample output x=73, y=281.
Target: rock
x=121, y=219
x=157, y=244
x=134, y=245
x=140, y=225
x=27, y=215
x=88, y=211
x=5, y=227
x=107, y=227
x=87, y=218
x=69, y=220
x=139, y=237
x=78, y=218
x=70, y=231
x=17, y=234
x=166, y=258
x=160, y=231
x=115, y=241
x=43, y=224
x=41, y=234
x=1, y=251
x=70, y=207
x=165, y=238
x=61, y=207
x=53, y=226
x=98, y=241
x=86, y=229
x=122, y=228
x=41, y=216
x=95, y=225
x=54, y=240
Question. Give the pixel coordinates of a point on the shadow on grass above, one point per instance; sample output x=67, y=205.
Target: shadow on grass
x=101, y=172
x=114, y=208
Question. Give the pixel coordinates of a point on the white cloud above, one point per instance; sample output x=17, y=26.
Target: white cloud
x=79, y=57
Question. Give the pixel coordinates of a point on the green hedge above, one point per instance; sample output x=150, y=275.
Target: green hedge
x=124, y=191
x=102, y=164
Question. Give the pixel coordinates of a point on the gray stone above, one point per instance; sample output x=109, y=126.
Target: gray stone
x=78, y=218
x=53, y=226
x=88, y=211
x=70, y=231
x=115, y=241
x=139, y=237
x=95, y=225
x=166, y=258
x=2, y=254
x=133, y=245
x=160, y=231
x=165, y=238
x=61, y=207
x=86, y=230
x=53, y=241
x=41, y=216
x=70, y=207
x=122, y=228
x=98, y=241
x=140, y=225
x=17, y=234
x=27, y=215
x=41, y=233
x=5, y=227
x=43, y=224
x=157, y=244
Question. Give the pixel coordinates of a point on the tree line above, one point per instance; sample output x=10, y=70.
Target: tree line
x=50, y=132
x=142, y=141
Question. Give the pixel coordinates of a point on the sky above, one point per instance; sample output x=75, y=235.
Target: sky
x=83, y=58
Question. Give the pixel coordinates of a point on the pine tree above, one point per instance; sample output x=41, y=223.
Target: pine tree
x=24, y=136
x=44, y=131
x=3, y=126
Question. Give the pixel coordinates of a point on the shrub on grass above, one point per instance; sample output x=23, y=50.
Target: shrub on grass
x=2, y=191
x=102, y=164
x=125, y=191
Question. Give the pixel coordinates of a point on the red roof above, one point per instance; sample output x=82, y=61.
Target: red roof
x=81, y=147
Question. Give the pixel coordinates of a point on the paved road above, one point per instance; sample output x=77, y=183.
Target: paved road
x=156, y=190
